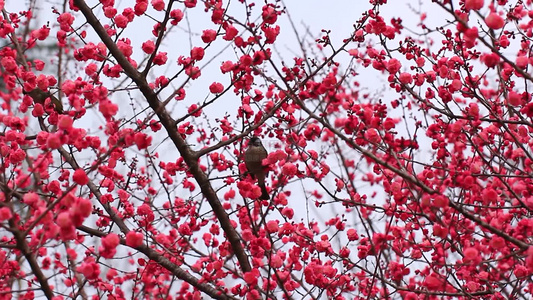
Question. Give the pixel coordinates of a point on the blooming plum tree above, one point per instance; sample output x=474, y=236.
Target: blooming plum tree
x=123, y=177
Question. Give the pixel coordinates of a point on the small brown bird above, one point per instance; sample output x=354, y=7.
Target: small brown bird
x=253, y=158
x=40, y=96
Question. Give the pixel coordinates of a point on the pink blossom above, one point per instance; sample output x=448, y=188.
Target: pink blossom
x=134, y=239
x=125, y=47
x=80, y=177
x=65, y=21
x=148, y=47
x=406, y=78
x=231, y=33
x=176, y=15
x=474, y=4
x=158, y=5
x=209, y=35
x=216, y=88
x=5, y=213
x=470, y=254
x=160, y=58
x=121, y=21
x=197, y=53
x=494, y=21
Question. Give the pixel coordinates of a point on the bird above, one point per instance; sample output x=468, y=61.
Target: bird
x=253, y=159
x=40, y=96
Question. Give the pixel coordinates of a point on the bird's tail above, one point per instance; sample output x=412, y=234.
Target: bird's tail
x=264, y=192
